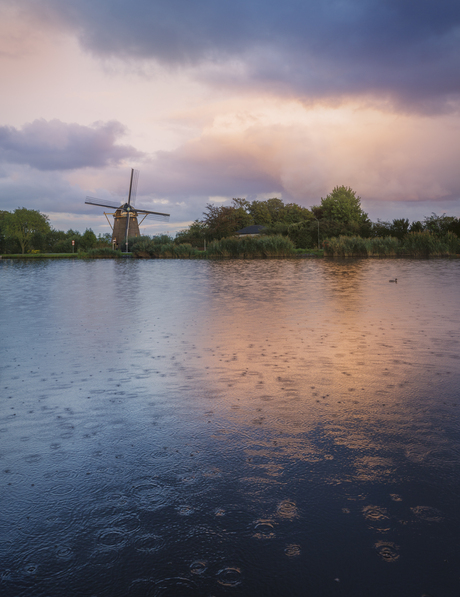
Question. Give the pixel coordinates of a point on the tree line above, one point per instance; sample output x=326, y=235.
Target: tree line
x=28, y=230
x=339, y=214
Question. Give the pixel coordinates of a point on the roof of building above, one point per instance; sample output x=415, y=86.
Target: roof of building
x=254, y=229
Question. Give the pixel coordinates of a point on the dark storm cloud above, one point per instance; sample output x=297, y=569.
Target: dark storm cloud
x=402, y=49
x=55, y=145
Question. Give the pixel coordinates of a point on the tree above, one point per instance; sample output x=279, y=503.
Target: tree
x=342, y=205
x=223, y=221
x=195, y=234
x=23, y=224
x=438, y=225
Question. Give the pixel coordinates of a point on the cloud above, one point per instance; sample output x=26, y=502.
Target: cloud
x=404, y=51
x=55, y=145
x=383, y=157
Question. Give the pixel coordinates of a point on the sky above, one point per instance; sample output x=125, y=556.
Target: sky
x=212, y=100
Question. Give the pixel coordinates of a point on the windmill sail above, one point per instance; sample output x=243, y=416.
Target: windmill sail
x=133, y=187
x=101, y=203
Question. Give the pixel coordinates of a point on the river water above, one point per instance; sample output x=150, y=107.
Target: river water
x=207, y=428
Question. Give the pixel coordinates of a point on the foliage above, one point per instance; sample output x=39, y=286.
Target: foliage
x=224, y=220
x=253, y=246
x=341, y=205
x=23, y=223
x=195, y=234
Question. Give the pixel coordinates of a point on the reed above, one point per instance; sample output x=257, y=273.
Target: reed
x=426, y=244
x=167, y=250
x=102, y=252
x=355, y=246
x=250, y=247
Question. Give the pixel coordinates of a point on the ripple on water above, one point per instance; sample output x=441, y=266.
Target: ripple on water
x=148, y=543
x=141, y=588
x=264, y=529
x=287, y=509
x=185, y=510
x=387, y=551
x=150, y=495
x=377, y=518
x=292, y=550
x=64, y=552
x=229, y=577
x=62, y=489
x=428, y=513
x=198, y=567
x=112, y=538
x=176, y=587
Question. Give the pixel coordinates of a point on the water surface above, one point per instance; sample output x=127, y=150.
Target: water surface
x=276, y=428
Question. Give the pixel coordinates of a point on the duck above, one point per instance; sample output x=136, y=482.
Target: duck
x=395, y=280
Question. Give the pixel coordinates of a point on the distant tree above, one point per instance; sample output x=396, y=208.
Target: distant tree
x=88, y=240
x=342, y=205
x=274, y=211
x=381, y=228
x=195, y=234
x=23, y=223
x=438, y=225
x=399, y=228
x=224, y=220
x=416, y=227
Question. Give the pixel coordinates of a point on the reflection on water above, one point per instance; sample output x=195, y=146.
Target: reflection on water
x=279, y=427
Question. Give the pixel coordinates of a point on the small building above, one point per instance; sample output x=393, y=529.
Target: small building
x=253, y=230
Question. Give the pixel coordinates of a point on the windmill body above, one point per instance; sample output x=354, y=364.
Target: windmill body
x=126, y=224
x=119, y=227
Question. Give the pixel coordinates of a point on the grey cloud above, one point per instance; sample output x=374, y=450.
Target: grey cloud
x=405, y=50
x=55, y=145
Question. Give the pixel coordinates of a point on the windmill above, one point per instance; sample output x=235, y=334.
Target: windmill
x=125, y=216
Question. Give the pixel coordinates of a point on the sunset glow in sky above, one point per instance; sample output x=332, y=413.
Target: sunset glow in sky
x=212, y=100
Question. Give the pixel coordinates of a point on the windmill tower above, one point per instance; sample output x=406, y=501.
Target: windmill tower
x=125, y=223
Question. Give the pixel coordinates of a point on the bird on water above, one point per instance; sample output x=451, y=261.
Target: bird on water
x=395, y=280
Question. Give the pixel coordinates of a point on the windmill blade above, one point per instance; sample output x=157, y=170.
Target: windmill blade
x=154, y=213
x=133, y=186
x=158, y=217
x=100, y=202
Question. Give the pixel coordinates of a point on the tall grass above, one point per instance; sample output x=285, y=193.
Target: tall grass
x=355, y=246
x=154, y=249
x=102, y=252
x=424, y=244
x=253, y=246
x=414, y=244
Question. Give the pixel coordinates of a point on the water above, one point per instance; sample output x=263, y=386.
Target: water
x=274, y=428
